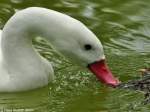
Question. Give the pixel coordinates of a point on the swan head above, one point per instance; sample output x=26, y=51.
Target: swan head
x=81, y=46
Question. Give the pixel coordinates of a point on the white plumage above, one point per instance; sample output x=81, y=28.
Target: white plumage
x=21, y=67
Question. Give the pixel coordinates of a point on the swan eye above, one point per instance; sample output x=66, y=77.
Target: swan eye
x=87, y=47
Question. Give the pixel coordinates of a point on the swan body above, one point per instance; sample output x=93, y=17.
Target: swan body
x=21, y=67
x=22, y=79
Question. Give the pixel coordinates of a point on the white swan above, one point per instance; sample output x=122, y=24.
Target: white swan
x=22, y=68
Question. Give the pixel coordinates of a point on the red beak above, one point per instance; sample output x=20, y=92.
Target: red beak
x=101, y=70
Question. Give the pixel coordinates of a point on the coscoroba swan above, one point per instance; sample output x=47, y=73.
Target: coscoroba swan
x=22, y=68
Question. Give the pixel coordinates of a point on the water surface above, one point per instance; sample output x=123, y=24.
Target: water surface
x=124, y=29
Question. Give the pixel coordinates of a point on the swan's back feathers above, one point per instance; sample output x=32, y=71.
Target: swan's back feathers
x=0, y=45
x=0, y=36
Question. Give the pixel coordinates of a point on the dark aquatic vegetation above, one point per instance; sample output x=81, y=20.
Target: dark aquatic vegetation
x=142, y=84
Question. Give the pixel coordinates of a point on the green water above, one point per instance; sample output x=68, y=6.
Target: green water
x=124, y=29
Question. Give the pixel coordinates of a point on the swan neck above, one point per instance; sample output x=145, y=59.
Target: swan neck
x=19, y=31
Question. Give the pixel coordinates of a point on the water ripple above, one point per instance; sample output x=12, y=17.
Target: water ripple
x=122, y=26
